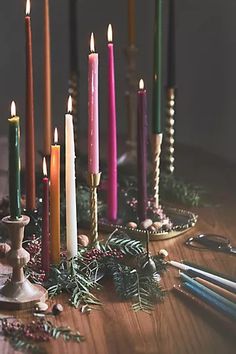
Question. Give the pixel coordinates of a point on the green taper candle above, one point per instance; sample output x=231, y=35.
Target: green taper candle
x=14, y=164
x=157, y=71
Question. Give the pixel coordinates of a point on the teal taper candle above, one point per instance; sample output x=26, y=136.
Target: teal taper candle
x=157, y=71
x=14, y=164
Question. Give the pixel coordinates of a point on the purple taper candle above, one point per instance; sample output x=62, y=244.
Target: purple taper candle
x=142, y=152
x=112, y=139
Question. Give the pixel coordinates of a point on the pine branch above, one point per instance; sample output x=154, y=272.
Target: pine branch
x=77, y=278
x=124, y=279
x=25, y=346
x=125, y=244
x=174, y=189
x=131, y=284
x=148, y=293
x=64, y=332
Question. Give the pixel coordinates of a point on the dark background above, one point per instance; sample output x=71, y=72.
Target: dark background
x=206, y=64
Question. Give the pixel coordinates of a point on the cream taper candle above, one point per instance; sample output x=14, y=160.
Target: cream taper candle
x=71, y=211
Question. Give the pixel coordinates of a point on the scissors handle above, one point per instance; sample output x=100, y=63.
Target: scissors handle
x=214, y=242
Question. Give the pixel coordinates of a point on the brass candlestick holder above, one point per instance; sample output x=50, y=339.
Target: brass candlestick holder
x=18, y=293
x=129, y=157
x=156, y=149
x=94, y=181
x=169, y=142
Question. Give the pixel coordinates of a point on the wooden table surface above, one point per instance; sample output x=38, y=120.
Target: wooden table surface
x=174, y=327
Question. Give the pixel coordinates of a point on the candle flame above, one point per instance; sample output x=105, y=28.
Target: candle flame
x=55, y=136
x=141, y=84
x=92, y=44
x=27, y=10
x=109, y=33
x=13, y=109
x=45, y=172
x=69, y=104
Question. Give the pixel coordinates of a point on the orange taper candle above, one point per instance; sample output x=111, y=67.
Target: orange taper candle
x=29, y=124
x=47, y=133
x=55, y=200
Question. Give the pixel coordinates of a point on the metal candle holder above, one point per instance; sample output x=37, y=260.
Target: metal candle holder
x=129, y=157
x=94, y=181
x=169, y=132
x=156, y=149
x=18, y=293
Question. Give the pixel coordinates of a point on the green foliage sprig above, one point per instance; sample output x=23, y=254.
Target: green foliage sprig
x=131, y=283
x=27, y=337
x=62, y=332
x=176, y=190
x=79, y=276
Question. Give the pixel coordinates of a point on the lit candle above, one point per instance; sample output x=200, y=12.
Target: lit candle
x=14, y=164
x=55, y=200
x=47, y=133
x=45, y=224
x=29, y=124
x=93, y=140
x=157, y=74
x=142, y=152
x=71, y=214
x=112, y=139
x=131, y=22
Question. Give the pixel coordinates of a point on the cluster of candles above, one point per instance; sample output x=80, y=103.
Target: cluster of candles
x=51, y=191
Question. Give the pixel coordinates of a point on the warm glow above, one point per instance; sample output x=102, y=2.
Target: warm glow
x=45, y=172
x=69, y=105
x=92, y=45
x=55, y=136
x=27, y=10
x=13, y=109
x=141, y=84
x=109, y=33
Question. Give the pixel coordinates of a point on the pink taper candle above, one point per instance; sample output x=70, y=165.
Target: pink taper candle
x=112, y=139
x=93, y=140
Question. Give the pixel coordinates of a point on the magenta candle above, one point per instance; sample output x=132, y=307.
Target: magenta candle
x=112, y=139
x=93, y=140
x=45, y=224
x=142, y=152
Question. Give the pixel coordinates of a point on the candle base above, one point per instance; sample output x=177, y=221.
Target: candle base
x=18, y=293
x=169, y=140
x=156, y=148
x=94, y=181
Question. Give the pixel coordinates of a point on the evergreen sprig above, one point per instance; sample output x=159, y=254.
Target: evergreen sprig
x=63, y=332
x=25, y=346
x=27, y=337
x=125, y=244
x=148, y=293
x=174, y=189
x=130, y=283
x=124, y=279
x=76, y=278
x=79, y=276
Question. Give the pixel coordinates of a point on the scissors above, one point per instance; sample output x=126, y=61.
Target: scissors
x=211, y=241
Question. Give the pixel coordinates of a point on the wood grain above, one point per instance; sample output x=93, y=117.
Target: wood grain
x=175, y=327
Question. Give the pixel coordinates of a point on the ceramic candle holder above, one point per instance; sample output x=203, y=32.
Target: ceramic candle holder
x=18, y=293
